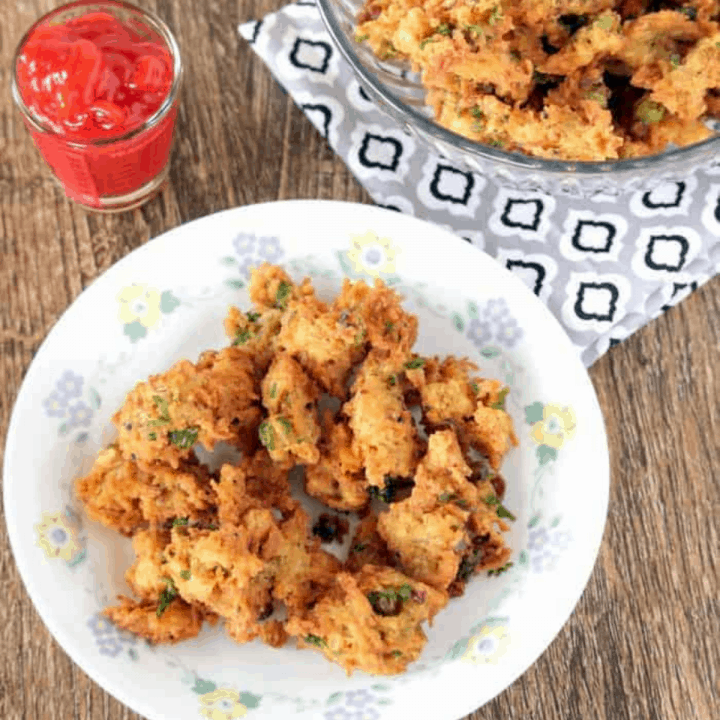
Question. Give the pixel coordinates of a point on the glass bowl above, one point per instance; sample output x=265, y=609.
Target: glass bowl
x=399, y=93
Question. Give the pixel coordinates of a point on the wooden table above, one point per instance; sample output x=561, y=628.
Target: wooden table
x=643, y=641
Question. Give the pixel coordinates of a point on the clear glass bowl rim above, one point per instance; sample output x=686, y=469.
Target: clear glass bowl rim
x=153, y=20
x=658, y=163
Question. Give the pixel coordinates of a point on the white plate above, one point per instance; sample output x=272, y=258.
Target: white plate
x=167, y=300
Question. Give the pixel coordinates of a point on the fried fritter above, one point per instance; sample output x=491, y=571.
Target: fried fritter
x=428, y=530
x=214, y=400
x=291, y=429
x=302, y=569
x=123, y=496
x=367, y=547
x=225, y=571
x=472, y=405
x=529, y=76
x=370, y=621
x=146, y=576
x=384, y=434
x=255, y=333
x=178, y=621
x=338, y=479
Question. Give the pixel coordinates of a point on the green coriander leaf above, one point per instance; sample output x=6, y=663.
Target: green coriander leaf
x=273, y=391
x=500, y=570
x=315, y=640
x=405, y=591
x=492, y=500
x=392, y=380
x=242, y=336
x=180, y=521
x=495, y=16
x=359, y=547
x=283, y=293
x=396, y=653
x=444, y=497
x=152, y=436
x=287, y=426
x=475, y=387
x=675, y=60
x=361, y=38
x=267, y=435
x=253, y=316
x=649, y=112
x=389, y=325
x=605, y=22
x=184, y=439
x=691, y=12
x=166, y=596
x=443, y=29
x=185, y=574
x=496, y=143
x=500, y=404
x=414, y=363
x=503, y=512
x=162, y=405
x=477, y=113
x=426, y=41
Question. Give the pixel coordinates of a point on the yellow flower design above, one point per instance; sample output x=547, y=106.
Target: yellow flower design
x=372, y=255
x=139, y=303
x=57, y=536
x=557, y=426
x=487, y=645
x=222, y=704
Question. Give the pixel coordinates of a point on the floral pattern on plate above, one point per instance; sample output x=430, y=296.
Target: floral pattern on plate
x=141, y=308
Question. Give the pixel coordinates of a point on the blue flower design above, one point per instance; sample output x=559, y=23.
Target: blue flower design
x=269, y=249
x=538, y=539
x=100, y=626
x=496, y=309
x=244, y=243
x=508, y=332
x=80, y=414
x=342, y=713
x=55, y=405
x=107, y=636
x=69, y=385
x=479, y=332
x=359, y=698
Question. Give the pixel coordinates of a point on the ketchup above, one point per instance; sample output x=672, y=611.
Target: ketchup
x=90, y=83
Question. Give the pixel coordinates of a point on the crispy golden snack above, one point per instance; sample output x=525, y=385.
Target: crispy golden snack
x=338, y=479
x=370, y=621
x=291, y=430
x=367, y=547
x=450, y=395
x=123, y=496
x=302, y=570
x=384, y=434
x=386, y=330
x=255, y=333
x=529, y=75
x=179, y=621
x=214, y=400
x=147, y=576
x=225, y=571
x=236, y=544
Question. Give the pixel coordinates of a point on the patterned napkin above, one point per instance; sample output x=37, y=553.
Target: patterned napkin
x=604, y=267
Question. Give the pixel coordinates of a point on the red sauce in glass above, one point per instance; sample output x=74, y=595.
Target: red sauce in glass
x=95, y=78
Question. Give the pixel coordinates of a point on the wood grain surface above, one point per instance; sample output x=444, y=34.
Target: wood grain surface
x=643, y=641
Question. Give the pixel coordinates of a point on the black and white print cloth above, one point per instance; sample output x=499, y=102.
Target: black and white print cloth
x=604, y=267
